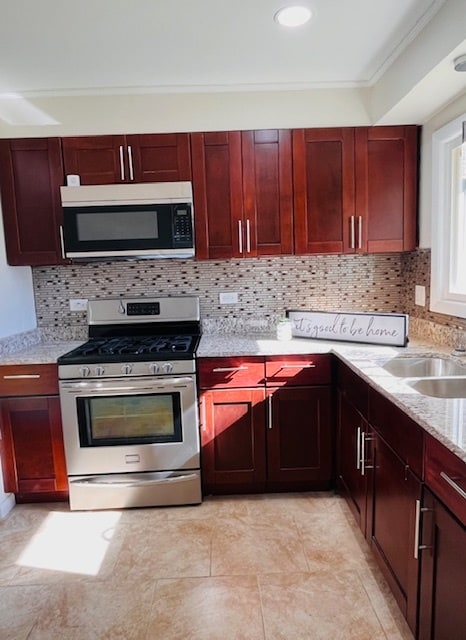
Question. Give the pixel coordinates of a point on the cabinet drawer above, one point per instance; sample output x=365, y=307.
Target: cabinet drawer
x=28, y=380
x=445, y=474
x=231, y=372
x=403, y=435
x=354, y=388
x=298, y=370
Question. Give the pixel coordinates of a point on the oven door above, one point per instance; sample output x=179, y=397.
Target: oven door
x=124, y=425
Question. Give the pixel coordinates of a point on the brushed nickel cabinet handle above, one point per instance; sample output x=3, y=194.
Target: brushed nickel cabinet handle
x=23, y=376
x=240, y=236
x=417, y=527
x=62, y=242
x=248, y=237
x=453, y=484
x=358, y=448
x=298, y=366
x=225, y=369
x=270, y=416
x=130, y=162
x=122, y=164
x=352, y=241
x=360, y=232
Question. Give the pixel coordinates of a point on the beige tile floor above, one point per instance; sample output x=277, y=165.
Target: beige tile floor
x=270, y=567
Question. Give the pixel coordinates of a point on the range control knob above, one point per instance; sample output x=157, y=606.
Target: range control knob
x=84, y=371
x=167, y=367
x=99, y=371
x=154, y=368
x=127, y=369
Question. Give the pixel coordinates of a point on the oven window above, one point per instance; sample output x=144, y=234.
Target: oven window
x=138, y=419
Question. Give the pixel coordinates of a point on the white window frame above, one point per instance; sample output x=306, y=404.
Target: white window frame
x=443, y=142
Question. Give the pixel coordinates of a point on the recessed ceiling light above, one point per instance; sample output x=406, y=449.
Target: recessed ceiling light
x=460, y=63
x=294, y=16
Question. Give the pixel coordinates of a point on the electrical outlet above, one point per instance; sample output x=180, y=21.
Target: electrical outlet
x=78, y=304
x=420, y=295
x=228, y=297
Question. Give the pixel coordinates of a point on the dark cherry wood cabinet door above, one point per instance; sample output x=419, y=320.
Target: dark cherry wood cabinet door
x=160, y=157
x=395, y=491
x=442, y=611
x=96, y=159
x=34, y=457
x=31, y=173
x=218, y=194
x=386, y=188
x=351, y=481
x=268, y=192
x=299, y=438
x=233, y=441
x=323, y=175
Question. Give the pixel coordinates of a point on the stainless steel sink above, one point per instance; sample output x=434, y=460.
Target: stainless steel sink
x=423, y=367
x=440, y=387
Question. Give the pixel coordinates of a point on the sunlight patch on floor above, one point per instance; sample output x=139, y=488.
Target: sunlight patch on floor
x=71, y=542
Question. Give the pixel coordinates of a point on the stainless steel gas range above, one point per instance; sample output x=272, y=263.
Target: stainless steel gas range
x=129, y=405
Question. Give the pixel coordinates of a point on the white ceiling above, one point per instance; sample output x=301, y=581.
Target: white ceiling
x=93, y=46
x=58, y=48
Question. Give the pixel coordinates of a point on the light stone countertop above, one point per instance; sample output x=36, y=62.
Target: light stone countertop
x=42, y=353
x=445, y=419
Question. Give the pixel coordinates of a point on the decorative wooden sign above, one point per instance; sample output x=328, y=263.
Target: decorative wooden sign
x=373, y=328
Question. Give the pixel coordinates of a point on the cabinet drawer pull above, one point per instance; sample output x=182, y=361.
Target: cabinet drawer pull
x=248, y=237
x=225, y=369
x=359, y=232
x=23, y=376
x=453, y=484
x=298, y=366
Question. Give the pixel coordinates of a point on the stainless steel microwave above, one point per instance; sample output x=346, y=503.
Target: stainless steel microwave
x=128, y=221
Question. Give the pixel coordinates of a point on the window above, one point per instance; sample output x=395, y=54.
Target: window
x=448, y=277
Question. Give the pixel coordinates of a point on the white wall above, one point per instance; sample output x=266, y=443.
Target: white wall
x=17, y=310
x=449, y=113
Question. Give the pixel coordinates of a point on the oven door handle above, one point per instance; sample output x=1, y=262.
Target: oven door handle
x=125, y=483
x=91, y=388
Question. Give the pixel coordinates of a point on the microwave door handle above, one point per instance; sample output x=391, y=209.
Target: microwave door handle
x=130, y=163
x=122, y=164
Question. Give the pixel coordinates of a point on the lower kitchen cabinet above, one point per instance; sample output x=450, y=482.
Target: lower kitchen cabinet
x=351, y=481
x=380, y=476
x=261, y=432
x=233, y=441
x=33, y=457
x=442, y=611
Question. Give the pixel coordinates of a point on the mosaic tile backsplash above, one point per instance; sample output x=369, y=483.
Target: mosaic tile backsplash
x=266, y=288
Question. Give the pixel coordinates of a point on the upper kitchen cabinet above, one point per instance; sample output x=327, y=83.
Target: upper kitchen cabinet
x=355, y=189
x=267, y=192
x=323, y=174
x=31, y=173
x=242, y=185
x=158, y=157
x=386, y=160
x=218, y=196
